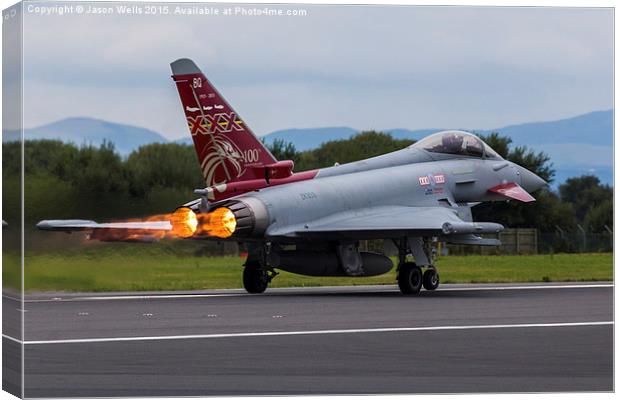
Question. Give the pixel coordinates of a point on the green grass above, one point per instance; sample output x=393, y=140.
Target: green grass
x=534, y=268
x=154, y=268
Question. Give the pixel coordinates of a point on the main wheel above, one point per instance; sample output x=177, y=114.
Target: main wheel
x=430, y=280
x=254, y=279
x=409, y=278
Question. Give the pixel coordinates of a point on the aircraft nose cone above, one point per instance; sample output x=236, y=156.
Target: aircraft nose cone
x=530, y=181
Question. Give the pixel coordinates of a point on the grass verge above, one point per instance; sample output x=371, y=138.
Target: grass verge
x=137, y=270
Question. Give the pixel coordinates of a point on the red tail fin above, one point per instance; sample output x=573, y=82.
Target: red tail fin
x=227, y=149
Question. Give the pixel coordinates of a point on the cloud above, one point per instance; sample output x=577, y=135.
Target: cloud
x=363, y=66
x=154, y=108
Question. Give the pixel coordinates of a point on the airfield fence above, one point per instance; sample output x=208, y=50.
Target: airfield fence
x=517, y=241
x=530, y=241
x=514, y=241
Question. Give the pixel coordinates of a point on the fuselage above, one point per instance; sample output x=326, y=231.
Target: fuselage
x=426, y=183
x=410, y=177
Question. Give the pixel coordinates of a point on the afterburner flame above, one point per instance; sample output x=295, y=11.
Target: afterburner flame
x=184, y=222
x=220, y=223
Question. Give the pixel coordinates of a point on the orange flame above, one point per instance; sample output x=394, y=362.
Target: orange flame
x=185, y=223
x=220, y=223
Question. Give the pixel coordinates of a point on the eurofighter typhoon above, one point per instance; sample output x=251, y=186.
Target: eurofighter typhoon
x=311, y=222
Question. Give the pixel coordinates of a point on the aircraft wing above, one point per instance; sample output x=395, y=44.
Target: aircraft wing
x=69, y=225
x=389, y=221
x=142, y=231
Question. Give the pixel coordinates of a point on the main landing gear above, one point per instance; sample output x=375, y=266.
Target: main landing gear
x=430, y=279
x=255, y=279
x=411, y=279
x=256, y=274
x=410, y=276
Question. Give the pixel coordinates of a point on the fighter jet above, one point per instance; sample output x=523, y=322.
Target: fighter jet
x=311, y=222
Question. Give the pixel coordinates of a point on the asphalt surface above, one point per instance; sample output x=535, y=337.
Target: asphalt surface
x=460, y=338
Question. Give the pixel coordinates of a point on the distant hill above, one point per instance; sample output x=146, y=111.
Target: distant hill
x=186, y=140
x=577, y=145
x=311, y=138
x=409, y=134
x=91, y=131
x=306, y=139
x=593, y=128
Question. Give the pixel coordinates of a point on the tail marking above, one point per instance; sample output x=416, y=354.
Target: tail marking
x=228, y=152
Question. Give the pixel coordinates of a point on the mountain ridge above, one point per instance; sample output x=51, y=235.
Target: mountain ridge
x=529, y=133
x=577, y=145
x=125, y=137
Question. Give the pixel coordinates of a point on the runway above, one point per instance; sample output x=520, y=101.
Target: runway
x=460, y=338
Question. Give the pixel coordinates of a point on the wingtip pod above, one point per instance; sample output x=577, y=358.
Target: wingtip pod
x=184, y=66
x=460, y=228
x=59, y=224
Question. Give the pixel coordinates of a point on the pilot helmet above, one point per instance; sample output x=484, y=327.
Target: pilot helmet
x=452, y=142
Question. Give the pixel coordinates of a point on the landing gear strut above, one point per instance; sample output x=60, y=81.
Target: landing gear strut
x=410, y=277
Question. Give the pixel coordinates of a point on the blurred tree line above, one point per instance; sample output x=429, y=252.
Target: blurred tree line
x=66, y=181
x=580, y=200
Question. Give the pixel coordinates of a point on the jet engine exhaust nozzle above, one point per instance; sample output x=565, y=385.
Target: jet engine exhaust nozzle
x=250, y=216
x=220, y=223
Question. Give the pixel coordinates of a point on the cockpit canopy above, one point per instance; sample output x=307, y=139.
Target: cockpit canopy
x=458, y=143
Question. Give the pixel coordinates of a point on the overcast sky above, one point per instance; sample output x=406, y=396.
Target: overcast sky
x=359, y=66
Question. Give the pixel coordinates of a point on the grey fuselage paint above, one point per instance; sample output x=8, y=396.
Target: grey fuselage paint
x=292, y=206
